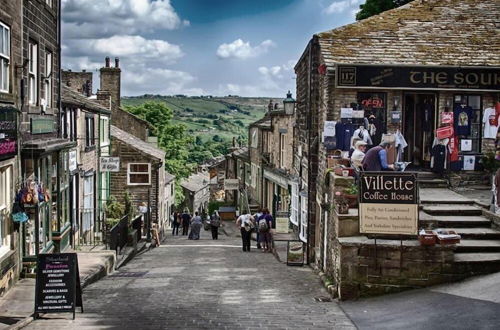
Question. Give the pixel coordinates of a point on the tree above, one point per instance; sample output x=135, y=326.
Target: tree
x=375, y=7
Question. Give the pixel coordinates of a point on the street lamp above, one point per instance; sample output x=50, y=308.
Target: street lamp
x=289, y=104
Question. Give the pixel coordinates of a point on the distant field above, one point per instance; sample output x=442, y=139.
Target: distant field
x=224, y=116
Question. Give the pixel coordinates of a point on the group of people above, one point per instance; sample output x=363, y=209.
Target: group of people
x=195, y=222
x=261, y=222
x=374, y=159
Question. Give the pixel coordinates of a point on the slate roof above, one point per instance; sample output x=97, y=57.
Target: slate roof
x=196, y=182
x=169, y=178
x=71, y=97
x=427, y=32
x=138, y=144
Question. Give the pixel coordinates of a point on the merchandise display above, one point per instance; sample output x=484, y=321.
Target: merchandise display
x=463, y=116
x=490, y=123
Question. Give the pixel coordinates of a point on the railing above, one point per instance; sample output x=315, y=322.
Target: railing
x=137, y=225
x=118, y=235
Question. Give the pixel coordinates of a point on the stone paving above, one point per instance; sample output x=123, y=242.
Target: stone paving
x=204, y=284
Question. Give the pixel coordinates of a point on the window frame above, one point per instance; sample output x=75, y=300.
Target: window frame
x=5, y=58
x=138, y=173
x=47, y=81
x=282, y=150
x=6, y=195
x=89, y=131
x=303, y=219
x=294, y=205
x=104, y=132
x=33, y=73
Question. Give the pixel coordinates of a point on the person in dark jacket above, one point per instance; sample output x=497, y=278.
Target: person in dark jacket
x=186, y=221
x=376, y=158
x=175, y=224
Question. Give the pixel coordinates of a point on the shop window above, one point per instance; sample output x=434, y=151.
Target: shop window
x=472, y=123
x=89, y=131
x=303, y=219
x=294, y=214
x=69, y=127
x=139, y=174
x=88, y=203
x=248, y=173
x=33, y=73
x=5, y=205
x=254, y=139
x=374, y=106
x=47, y=81
x=4, y=57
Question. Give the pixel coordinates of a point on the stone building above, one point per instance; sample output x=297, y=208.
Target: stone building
x=196, y=192
x=403, y=68
x=10, y=104
x=44, y=150
x=88, y=124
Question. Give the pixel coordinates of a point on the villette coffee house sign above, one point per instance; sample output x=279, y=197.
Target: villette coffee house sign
x=388, y=203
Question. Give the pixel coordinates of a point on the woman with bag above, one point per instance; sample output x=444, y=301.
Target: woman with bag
x=246, y=224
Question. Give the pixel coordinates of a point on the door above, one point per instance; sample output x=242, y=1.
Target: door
x=418, y=128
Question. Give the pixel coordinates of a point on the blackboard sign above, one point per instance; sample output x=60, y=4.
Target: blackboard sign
x=58, y=288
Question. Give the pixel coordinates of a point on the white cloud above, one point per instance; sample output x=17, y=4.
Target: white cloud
x=242, y=50
x=341, y=6
x=101, y=18
x=136, y=48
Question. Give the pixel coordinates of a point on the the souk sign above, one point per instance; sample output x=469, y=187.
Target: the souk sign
x=418, y=77
x=388, y=203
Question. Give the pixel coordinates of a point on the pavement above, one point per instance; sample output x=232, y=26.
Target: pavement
x=471, y=304
x=204, y=284
x=17, y=306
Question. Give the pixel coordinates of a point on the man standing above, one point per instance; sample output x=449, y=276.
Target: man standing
x=186, y=220
x=175, y=224
x=257, y=217
x=376, y=158
x=246, y=223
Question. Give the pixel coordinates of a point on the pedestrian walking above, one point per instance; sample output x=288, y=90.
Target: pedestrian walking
x=196, y=224
x=257, y=216
x=215, y=224
x=186, y=220
x=246, y=224
x=176, y=223
x=264, y=225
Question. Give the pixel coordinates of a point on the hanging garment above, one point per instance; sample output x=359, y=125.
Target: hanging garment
x=362, y=134
x=490, y=123
x=462, y=116
x=438, y=155
x=375, y=129
x=401, y=144
x=343, y=134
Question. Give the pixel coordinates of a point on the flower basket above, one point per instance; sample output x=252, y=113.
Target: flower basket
x=352, y=200
x=342, y=208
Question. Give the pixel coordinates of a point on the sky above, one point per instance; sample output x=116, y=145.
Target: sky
x=198, y=47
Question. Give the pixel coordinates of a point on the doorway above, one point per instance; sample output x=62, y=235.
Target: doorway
x=419, y=120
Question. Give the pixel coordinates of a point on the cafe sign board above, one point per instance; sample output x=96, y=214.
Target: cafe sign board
x=388, y=203
x=109, y=164
x=418, y=77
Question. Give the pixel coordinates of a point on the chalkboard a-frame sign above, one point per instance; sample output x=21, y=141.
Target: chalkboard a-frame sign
x=57, y=288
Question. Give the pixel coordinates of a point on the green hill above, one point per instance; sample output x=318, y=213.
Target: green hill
x=226, y=117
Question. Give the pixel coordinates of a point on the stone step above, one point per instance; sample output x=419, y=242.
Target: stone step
x=442, y=221
x=442, y=196
x=477, y=257
x=432, y=183
x=452, y=209
x=477, y=233
x=470, y=245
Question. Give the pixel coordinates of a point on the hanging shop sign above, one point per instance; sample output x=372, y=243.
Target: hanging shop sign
x=231, y=184
x=8, y=133
x=109, y=164
x=388, y=203
x=282, y=224
x=57, y=287
x=418, y=77
x=42, y=125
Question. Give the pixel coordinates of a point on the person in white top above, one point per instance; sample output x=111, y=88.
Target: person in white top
x=358, y=155
x=246, y=223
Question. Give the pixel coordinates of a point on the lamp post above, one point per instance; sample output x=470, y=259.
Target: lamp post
x=289, y=104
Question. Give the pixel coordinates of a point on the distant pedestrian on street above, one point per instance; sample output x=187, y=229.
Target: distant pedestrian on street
x=196, y=224
x=264, y=225
x=215, y=224
x=176, y=223
x=186, y=220
x=246, y=224
x=257, y=216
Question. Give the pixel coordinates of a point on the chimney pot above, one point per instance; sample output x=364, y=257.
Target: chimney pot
x=83, y=70
x=117, y=62
x=107, y=61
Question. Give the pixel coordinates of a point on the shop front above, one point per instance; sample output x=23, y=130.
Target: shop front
x=44, y=194
x=417, y=108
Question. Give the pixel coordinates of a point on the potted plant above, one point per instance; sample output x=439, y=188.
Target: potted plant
x=341, y=204
x=351, y=195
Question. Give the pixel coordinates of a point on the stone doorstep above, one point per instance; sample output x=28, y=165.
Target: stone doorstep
x=92, y=265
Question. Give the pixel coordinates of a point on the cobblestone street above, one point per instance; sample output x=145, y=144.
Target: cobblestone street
x=204, y=284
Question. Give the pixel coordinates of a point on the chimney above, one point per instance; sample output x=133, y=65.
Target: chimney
x=111, y=82
x=270, y=106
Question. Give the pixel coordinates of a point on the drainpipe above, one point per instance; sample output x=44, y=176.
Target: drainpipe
x=59, y=74
x=309, y=124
